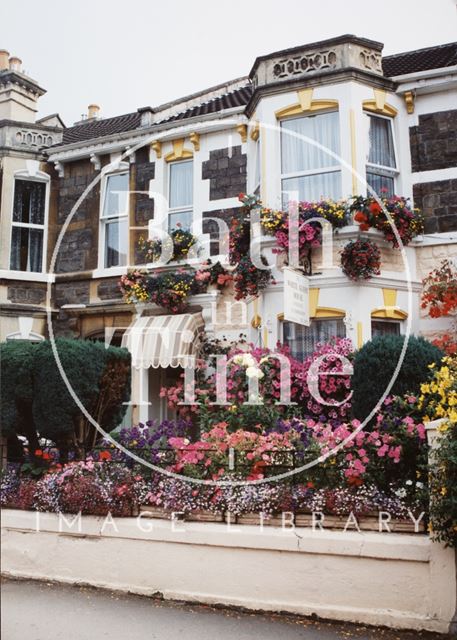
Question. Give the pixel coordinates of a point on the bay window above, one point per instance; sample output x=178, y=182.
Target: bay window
x=115, y=220
x=302, y=341
x=381, y=163
x=28, y=226
x=306, y=168
x=180, y=195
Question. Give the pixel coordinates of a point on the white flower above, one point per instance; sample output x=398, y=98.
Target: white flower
x=400, y=493
x=238, y=359
x=409, y=483
x=419, y=485
x=249, y=360
x=254, y=372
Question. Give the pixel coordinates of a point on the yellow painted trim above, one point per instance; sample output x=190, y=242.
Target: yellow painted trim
x=243, y=131
x=409, y=97
x=329, y=312
x=256, y=319
x=313, y=302
x=255, y=131
x=195, y=140
x=359, y=335
x=305, y=104
x=157, y=147
x=178, y=153
x=280, y=317
x=353, y=152
x=389, y=313
x=389, y=297
x=265, y=337
x=379, y=106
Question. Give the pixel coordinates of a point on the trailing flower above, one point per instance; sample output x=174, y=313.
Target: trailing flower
x=171, y=289
x=369, y=213
x=179, y=243
x=361, y=259
x=439, y=396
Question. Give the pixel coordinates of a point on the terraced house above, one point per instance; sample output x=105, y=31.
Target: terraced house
x=75, y=200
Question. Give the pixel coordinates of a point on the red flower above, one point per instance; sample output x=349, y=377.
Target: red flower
x=364, y=227
x=375, y=208
x=38, y=453
x=105, y=455
x=360, y=217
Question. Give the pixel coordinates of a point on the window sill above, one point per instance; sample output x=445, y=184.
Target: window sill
x=112, y=272
x=27, y=276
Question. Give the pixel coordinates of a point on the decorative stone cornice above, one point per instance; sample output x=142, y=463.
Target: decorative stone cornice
x=346, y=52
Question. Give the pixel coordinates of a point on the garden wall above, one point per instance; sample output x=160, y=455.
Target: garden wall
x=398, y=580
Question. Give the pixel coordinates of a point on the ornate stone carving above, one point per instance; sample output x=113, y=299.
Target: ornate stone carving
x=370, y=60
x=307, y=63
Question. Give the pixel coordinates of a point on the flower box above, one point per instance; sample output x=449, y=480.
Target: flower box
x=254, y=519
x=204, y=516
x=155, y=512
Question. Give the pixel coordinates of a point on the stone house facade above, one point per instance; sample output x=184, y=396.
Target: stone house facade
x=75, y=200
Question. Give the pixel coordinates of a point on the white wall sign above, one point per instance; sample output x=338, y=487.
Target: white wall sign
x=296, y=297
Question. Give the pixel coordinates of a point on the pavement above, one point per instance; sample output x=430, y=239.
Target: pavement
x=42, y=611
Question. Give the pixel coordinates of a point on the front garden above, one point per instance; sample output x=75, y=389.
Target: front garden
x=271, y=443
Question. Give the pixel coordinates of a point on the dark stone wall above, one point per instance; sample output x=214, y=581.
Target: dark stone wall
x=109, y=290
x=27, y=293
x=72, y=292
x=227, y=175
x=79, y=246
x=144, y=172
x=211, y=227
x=438, y=201
x=434, y=141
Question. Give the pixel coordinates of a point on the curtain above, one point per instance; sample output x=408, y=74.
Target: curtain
x=382, y=185
x=299, y=154
x=181, y=188
x=312, y=188
x=26, y=249
x=29, y=201
x=303, y=341
x=381, y=142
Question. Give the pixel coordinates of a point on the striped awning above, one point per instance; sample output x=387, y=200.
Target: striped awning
x=163, y=341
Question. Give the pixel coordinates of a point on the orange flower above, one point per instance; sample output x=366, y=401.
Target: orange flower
x=105, y=455
x=46, y=456
x=38, y=453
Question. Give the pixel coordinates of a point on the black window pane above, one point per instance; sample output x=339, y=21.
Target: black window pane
x=384, y=328
x=29, y=201
x=26, y=249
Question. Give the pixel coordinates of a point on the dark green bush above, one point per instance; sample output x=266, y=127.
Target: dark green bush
x=33, y=387
x=375, y=363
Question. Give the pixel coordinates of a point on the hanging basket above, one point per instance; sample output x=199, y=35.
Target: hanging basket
x=361, y=260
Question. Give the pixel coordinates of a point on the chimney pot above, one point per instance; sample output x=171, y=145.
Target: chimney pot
x=15, y=63
x=93, y=111
x=4, y=59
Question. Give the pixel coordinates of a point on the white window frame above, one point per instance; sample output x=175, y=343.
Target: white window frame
x=174, y=210
x=43, y=178
x=324, y=319
x=379, y=169
x=337, y=168
x=104, y=220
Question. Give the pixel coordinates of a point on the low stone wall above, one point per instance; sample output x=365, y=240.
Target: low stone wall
x=397, y=580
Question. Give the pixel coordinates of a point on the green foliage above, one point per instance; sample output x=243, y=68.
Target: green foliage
x=443, y=485
x=16, y=357
x=99, y=376
x=374, y=366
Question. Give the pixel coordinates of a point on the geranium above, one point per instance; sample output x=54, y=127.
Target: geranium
x=439, y=293
x=369, y=213
x=361, y=259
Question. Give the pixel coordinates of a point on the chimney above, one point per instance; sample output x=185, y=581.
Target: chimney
x=15, y=64
x=4, y=59
x=93, y=111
